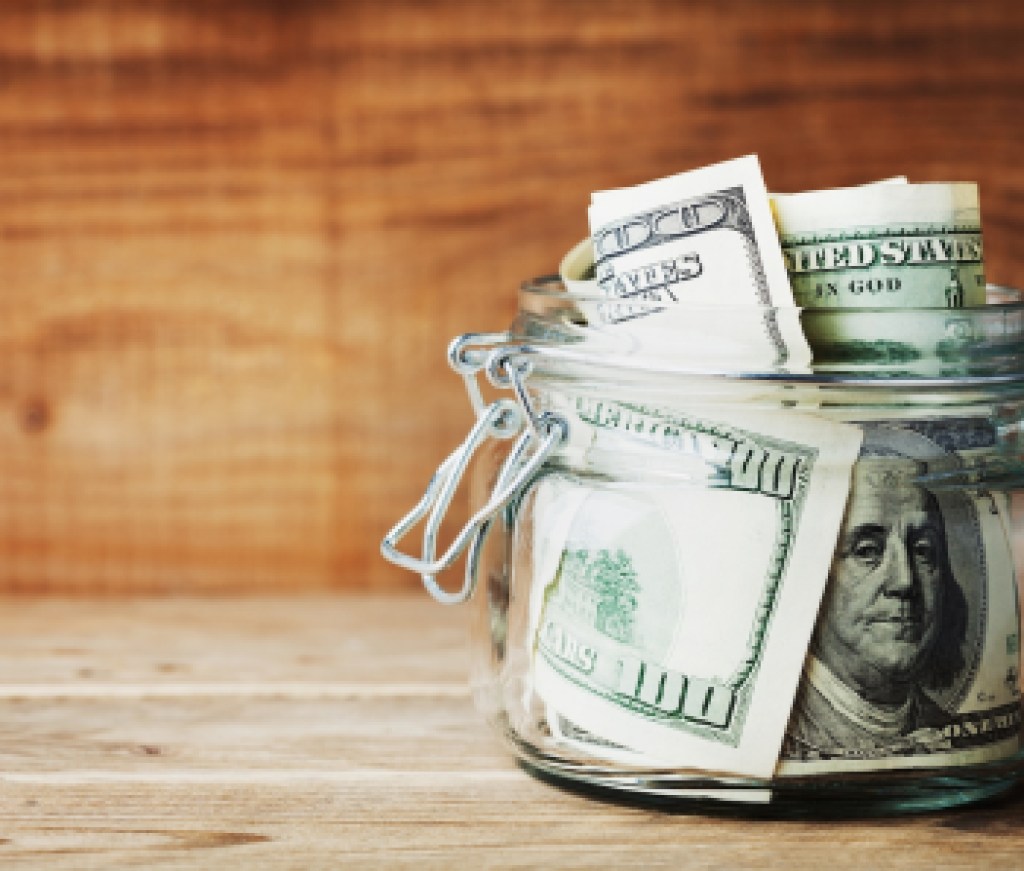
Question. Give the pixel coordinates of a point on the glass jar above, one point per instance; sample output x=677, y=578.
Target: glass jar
x=732, y=584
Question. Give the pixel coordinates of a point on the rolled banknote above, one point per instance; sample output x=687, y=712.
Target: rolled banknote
x=699, y=241
x=884, y=246
x=896, y=179
x=675, y=617
x=576, y=268
x=916, y=342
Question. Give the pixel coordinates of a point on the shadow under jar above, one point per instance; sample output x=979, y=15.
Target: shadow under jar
x=726, y=585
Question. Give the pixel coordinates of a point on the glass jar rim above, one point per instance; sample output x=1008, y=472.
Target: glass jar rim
x=557, y=333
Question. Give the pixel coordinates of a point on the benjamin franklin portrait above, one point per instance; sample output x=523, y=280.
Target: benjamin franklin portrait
x=889, y=644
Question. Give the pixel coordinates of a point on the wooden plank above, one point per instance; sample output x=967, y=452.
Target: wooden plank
x=269, y=736
x=272, y=758
x=452, y=819
x=317, y=641
x=237, y=235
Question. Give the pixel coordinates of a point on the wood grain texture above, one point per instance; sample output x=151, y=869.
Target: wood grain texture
x=236, y=236
x=201, y=733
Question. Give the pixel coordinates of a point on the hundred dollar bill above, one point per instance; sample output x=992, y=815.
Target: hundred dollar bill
x=884, y=246
x=674, y=615
x=687, y=260
x=576, y=268
x=921, y=342
x=897, y=247
x=575, y=741
x=896, y=179
x=915, y=658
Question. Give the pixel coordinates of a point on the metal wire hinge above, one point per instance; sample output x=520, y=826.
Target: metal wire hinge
x=502, y=419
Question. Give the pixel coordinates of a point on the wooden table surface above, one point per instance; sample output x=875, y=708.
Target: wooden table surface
x=308, y=733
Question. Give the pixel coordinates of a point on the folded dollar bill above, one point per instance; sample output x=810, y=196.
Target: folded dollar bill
x=701, y=241
x=900, y=248
x=884, y=246
x=914, y=662
x=676, y=618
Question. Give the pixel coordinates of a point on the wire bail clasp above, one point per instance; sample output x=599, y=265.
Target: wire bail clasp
x=468, y=355
x=501, y=419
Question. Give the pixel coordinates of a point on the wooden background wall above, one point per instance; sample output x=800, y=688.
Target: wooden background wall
x=235, y=235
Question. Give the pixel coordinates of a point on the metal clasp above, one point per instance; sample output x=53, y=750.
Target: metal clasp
x=501, y=419
x=470, y=353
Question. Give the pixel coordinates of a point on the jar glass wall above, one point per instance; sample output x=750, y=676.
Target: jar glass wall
x=664, y=525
